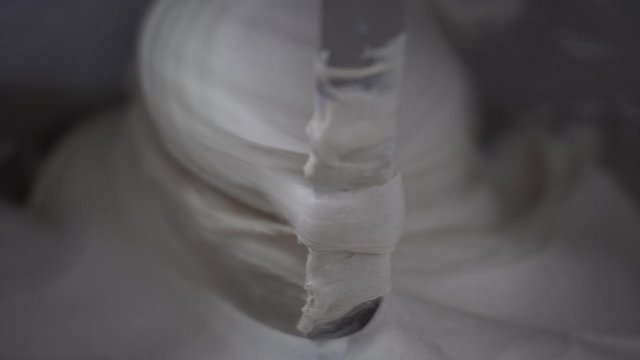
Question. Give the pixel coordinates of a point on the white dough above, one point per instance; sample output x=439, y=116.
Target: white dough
x=178, y=227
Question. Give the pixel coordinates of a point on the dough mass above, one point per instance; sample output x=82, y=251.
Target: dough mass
x=177, y=245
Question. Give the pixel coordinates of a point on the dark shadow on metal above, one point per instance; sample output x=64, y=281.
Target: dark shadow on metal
x=351, y=323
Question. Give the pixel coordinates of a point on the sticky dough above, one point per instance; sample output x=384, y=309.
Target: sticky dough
x=229, y=86
x=347, y=198
x=178, y=217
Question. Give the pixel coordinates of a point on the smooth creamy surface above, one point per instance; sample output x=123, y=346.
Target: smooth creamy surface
x=175, y=248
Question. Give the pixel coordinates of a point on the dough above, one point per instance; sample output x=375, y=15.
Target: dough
x=173, y=250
